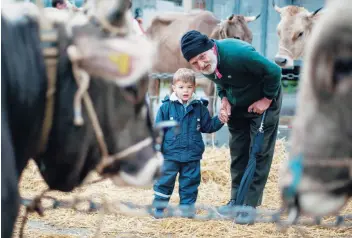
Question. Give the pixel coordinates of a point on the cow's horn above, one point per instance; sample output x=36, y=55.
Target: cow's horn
x=278, y=9
x=316, y=11
x=252, y=18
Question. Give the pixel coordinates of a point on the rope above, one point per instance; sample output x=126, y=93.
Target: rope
x=82, y=80
x=33, y=206
x=197, y=212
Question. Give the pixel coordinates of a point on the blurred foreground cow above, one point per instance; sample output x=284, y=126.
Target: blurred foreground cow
x=62, y=102
x=294, y=30
x=168, y=29
x=318, y=178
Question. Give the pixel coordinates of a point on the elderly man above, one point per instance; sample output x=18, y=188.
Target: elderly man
x=248, y=84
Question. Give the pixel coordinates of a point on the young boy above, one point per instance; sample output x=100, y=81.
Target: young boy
x=183, y=150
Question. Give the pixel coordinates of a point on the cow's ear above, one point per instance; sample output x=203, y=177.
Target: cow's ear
x=121, y=60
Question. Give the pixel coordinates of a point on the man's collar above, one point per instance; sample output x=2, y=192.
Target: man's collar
x=216, y=51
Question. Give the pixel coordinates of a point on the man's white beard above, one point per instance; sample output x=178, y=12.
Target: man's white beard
x=213, y=62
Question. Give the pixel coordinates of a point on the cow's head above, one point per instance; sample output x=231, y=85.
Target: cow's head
x=294, y=30
x=316, y=181
x=235, y=26
x=99, y=46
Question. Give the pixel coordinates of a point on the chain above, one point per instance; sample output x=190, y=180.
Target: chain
x=168, y=76
x=290, y=77
x=161, y=76
x=237, y=214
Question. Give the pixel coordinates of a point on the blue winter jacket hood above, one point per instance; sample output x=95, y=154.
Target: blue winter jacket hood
x=186, y=144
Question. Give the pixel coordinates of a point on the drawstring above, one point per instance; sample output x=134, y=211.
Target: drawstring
x=261, y=128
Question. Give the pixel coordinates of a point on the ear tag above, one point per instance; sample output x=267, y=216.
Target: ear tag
x=122, y=61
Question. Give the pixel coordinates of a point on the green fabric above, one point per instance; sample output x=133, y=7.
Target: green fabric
x=247, y=76
x=243, y=127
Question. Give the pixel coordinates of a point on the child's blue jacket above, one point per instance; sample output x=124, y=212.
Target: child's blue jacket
x=186, y=144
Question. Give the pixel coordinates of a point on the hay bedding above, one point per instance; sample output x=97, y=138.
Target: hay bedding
x=214, y=190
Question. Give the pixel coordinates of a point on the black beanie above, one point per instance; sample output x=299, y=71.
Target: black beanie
x=194, y=43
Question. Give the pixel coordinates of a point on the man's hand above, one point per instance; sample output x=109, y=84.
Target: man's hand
x=225, y=110
x=260, y=106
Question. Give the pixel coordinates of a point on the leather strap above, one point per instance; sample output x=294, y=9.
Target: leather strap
x=50, y=53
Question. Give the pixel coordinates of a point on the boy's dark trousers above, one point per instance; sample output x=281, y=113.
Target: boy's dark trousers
x=189, y=180
x=243, y=127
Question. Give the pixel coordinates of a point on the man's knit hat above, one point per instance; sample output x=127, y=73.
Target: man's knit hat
x=194, y=43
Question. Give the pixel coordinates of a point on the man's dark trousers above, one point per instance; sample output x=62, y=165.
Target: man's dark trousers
x=243, y=127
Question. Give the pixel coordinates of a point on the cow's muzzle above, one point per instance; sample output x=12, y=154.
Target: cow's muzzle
x=284, y=61
x=280, y=61
x=144, y=165
x=140, y=171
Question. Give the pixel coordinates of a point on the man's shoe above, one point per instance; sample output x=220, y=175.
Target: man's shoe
x=246, y=217
x=226, y=209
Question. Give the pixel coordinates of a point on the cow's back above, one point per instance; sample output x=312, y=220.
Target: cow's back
x=168, y=30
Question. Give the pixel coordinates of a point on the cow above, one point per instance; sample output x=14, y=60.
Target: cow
x=167, y=30
x=317, y=178
x=294, y=30
x=73, y=98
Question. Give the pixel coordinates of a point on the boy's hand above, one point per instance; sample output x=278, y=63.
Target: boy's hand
x=225, y=110
x=223, y=117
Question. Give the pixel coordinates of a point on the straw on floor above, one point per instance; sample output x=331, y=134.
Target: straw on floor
x=214, y=190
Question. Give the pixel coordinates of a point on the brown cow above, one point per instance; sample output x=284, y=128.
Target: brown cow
x=321, y=141
x=294, y=29
x=168, y=29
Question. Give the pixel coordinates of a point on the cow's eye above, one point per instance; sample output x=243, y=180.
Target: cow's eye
x=342, y=69
x=132, y=90
x=300, y=34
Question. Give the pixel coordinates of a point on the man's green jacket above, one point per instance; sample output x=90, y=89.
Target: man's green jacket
x=246, y=75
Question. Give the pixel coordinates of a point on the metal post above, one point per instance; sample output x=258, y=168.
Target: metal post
x=264, y=26
x=209, y=5
x=237, y=7
x=187, y=5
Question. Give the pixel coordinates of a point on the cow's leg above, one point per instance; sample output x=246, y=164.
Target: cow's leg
x=9, y=182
